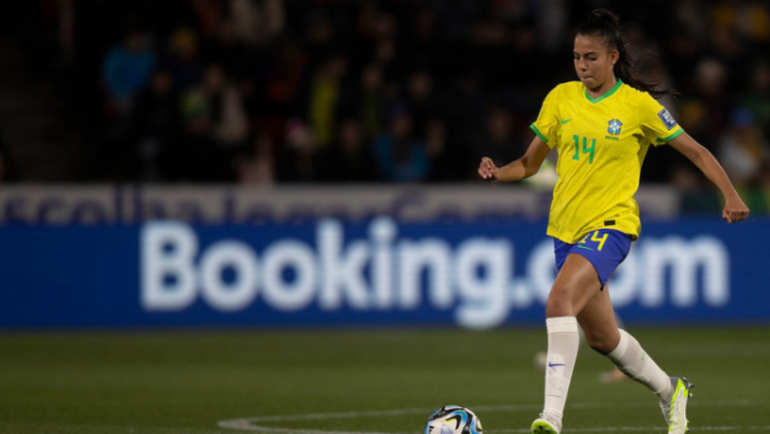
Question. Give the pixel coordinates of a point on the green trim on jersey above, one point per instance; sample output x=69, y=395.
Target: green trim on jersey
x=606, y=95
x=539, y=134
x=671, y=137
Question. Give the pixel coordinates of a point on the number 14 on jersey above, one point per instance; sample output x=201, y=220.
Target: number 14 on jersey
x=586, y=149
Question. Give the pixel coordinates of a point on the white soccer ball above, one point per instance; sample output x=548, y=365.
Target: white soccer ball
x=453, y=419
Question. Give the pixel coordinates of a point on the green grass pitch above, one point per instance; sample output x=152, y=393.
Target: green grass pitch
x=295, y=382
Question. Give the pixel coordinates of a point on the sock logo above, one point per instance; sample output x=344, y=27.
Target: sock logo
x=551, y=365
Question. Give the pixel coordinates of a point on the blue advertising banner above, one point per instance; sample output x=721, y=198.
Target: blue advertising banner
x=379, y=272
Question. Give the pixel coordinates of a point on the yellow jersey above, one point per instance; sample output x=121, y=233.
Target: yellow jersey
x=601, y=144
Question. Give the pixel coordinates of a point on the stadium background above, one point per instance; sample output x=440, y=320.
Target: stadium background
x=214, y=210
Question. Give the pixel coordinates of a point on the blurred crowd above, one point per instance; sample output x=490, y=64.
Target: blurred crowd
x=275, y=91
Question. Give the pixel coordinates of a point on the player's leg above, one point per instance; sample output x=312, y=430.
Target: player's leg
x=575, y=285
x=615, y=374
x=602, y=334
x=612, y=376
x=597, y=319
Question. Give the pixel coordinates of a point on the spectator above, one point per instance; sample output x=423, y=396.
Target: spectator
x=447, y=60
x=218, y=105
x=400, y=156
x=209, y=14
x=757, y=98
x=155, y=126
x=692, y=18
x=693, y=197
x=704, y=112
x=299, y=161
x=257, y=170
x=127, y=69
x=443, y=164
x=421, y=101
x=498, y=141
x=731, y=52
x=744, y=151
x=256, y=22
x=284, y=79
x=257, y=166
x=326, y=95
x=465, y=108
x=749, y=19
x=215, y=122
x=183, y=60
x=350, y=160
x=372, y=100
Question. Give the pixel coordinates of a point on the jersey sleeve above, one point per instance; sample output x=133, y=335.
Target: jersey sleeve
x=658, y=125
x=547, y=123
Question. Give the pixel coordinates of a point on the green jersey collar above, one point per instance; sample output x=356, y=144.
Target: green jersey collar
x=606, y=94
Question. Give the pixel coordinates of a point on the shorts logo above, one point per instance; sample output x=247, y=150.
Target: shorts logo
x=614, y=127
x=667, y=119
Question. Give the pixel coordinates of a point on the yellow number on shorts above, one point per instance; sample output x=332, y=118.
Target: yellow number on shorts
x=599, y=240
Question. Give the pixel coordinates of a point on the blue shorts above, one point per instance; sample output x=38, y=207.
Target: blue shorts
x=604, y=248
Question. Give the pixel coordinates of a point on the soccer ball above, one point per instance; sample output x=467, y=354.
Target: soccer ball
x=453, y=419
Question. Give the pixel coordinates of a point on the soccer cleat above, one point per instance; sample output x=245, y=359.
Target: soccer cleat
x=675, y=407
x=543, y=425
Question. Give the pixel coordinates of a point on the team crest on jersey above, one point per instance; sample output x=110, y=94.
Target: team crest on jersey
x=667, y=119
x=614, y=127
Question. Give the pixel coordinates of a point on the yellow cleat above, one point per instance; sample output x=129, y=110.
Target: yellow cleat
x=675, y=407
x=542, y=425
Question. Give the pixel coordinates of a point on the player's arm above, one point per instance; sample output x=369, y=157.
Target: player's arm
x=517, y=170
x=735, y=210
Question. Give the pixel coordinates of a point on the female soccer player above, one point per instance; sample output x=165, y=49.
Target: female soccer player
x=602, y=126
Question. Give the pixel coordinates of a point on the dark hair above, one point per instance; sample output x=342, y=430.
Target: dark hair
x=604, y=23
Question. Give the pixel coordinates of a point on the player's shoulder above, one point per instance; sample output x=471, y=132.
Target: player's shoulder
x=647, y=106
x=633, y=94
x=568, y=87
x=566, y=90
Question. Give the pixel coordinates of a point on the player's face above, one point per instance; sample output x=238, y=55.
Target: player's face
x=594, y=61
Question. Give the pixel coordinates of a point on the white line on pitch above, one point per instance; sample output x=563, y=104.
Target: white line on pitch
x=249, y=424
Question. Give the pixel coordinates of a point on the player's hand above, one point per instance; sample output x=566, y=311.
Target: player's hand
x=487, y=170
x=735, y=210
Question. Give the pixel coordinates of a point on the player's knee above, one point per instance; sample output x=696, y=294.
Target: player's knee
x=559, y=302
x=601, y=345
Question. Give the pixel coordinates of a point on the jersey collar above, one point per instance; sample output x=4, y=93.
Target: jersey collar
x=606, y=94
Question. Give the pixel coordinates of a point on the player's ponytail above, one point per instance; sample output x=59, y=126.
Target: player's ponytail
x=604, y=23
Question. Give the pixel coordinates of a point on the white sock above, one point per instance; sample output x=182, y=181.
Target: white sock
x=630, y=358
x=563, y=342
